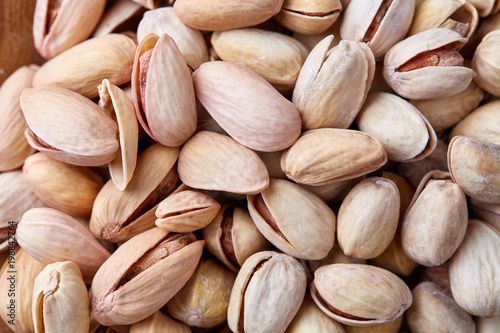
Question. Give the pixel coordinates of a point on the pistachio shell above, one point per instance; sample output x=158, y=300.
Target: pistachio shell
x=481, y=124
x=158, y=322
x=311, y=319
x=486, y=7
x=436, y=160
x=485, y=63
x=388, y=327
x=119, y=14
x=489, y=213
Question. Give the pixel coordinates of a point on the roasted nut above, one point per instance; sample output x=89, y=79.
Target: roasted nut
x=158, y=322
x=311, y=319
x=481, y=124
x=436, y=160
x=489, y=213
x=485, y=63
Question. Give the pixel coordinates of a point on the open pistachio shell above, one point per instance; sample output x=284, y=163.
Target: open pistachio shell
x=481, y=124
x=119, y=15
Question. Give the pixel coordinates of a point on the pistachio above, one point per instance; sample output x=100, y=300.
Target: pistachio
x=267, y=293
x=335, y=256
x=272, y=162
x=142, y=275
x=311, y=319
x=118, y=16
x=487, y=325
x=334, y=192
x=485, y=63
x=436, y=160
x=152, y=4
x=481, y=124
x=489, y=213
x=310, y=41
x=60, y=299
x=158, y=322
x=388, y=327
x=486, y=7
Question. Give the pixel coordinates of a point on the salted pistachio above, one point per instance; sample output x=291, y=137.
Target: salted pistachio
x=486, y=7
x=458, y=15
x=327, y=155
x=267, y=293
x=68, y=188
x=489, y=213
x=13, y=145
x=17, y=313
x=119, y=215
x=474, y=284
x=334, y=192
x=186, y=211
x=473, y=166
x=106, y=57
x=142, y=275
x=310, y=41
x=118, y=17
x=335, y=256
x=487, y=325
x=308, y=17
x=60, y=300
x=428, y=65
x=336, y=290
x=232, y=237
x=368, y=218
x=68, y=126
x=433, y=309
x=481, y=124
x=225, y=14
x=262, y=120
x=486, y=64
x=295, y=220
x=227, y=165
x=190, y=41
x=380, y=24
x=323, y=102
x=486, y=26
x=163, y=91
x=60, y=24
x=443, y=113
x=415, y=171
x=403, y=131
x=311, y=319
x=159, y=322
x=203, y=301
x=388, y=327
x=278, y=58
x=51, y=236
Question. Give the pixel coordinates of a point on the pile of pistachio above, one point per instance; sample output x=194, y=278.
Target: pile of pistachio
x=253, y=166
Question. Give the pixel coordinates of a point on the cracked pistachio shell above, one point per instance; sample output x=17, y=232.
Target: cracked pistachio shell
x=190, y=41
x=481, y=124
x=107, y=57
x=276, y=57
x=217, y=15
x=262, y=120
x=458, y=15
x=69, y=188
x=388, y=327
x=403, y=131
x=433, y=309
x=118, y=16
x=325, y=102
x=379, y=23
x=474, y=167
x=233, y=237
x=486, y=7
x=383, y=296
x=489, y=213
x=436, y=220
x=267, y=293
x=68, y=126
x=295, y=220
x=368, y=218
x=227, y=165
x=159, y=322
x=13, y=145
x=60, y=299
x=163, y=91
x=59, y=25
x=186, y=211
x=311, y=319
x=327, y=155
x=51, y=236
x=476, y=285
x=427, y=65
x=309, y=17
x=486, y=63
x=142, y=275
x=203, y=301
x=119, y=215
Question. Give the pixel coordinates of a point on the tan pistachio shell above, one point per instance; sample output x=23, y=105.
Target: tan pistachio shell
x=311, y=319
x=473, y=166
x=474, y=284
x=159, y=322
x=107, y=57
x=415, y=171
x=486, y=7
x=272, y=162
x=295, y=220
x=152, y=4
x=68, y=188
x=119, y=215
x=417, y=80
x=383, y=298
x=489, y=213
x=486, y=64
x=267, y=293
x=142, y=275
x=323, y=102
x=68, y=127
x=60, y=299
x=481, y=124
x=204, y=300
x=227, y=165
x=334, y=192
x=310, y=41
x=326, y=155
x=51, y=236
x=487, y=325
x=59, y=25
x=120, y=14
x=13, y=145
x=388, y=327
x=225, y=14
x=186, y=211
x=379, y=23
x=403, y=131
x=262, y=120
x=436, y=220
x=163, y=91
x=335, y=256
